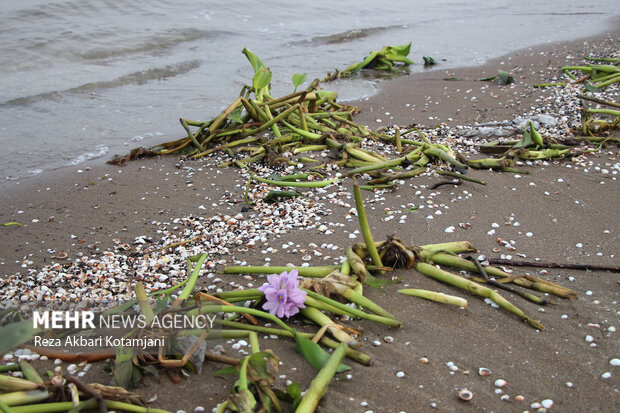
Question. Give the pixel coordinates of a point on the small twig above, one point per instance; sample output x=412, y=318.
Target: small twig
x=461, y=176
x=492, y=281
x=602, y=102
x=583, y=267
x=88, y=390
x=438, y=184
x=165, y=247
x=222, y=359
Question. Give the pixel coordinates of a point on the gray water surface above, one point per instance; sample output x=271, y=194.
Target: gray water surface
x=85, y=79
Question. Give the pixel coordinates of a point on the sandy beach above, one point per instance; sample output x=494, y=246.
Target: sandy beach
x=566, y=212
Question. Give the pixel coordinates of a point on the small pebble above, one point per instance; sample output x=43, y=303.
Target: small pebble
x=615, y=362
x=400, y=374
x=606, y=375
x=500, y=383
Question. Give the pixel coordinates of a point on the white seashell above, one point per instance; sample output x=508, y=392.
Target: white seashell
x=465, y=395
x=483, y=371
x=500, y=383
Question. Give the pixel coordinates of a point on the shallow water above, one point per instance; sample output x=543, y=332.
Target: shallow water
x=91, y=78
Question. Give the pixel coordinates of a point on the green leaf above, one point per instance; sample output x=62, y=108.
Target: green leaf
x=315, y=355
x=18, y=333
x=505, y=78
x=123, y=365
x=536, y=137
x=429, y=61
x=298, y=79
x=375, y=282
x=326, y=94
x=294, y=390
x=402, y=50
x=262, y=78
x=292, y=394
x=486, y=79
x=235, y=116
x=275, y=196
x=398, y=58
x=143, y=301
x=255, y=61
x=243, y=402
x=227, y=370
x=525, y=141
x=588, y=87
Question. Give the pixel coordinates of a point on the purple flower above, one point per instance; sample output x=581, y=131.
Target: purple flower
x=284, y=297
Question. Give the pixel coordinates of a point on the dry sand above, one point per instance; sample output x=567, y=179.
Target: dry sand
x=560, y=206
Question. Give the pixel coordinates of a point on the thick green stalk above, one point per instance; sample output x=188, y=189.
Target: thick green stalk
x=364, y=227
x=388, y=185
x=318, y=386
x=18, y=398
x=475, y=288
x=359, y=154
x=305, y=184
x=361, y=301
x=30, y=373
x=388, y=321
x=463, y=264
x=254, y=344
x=13, y=384
x=398, y=175
x=9, y=367
x=5, y=408
x=355, y=263
x=191, y=135
x=302, y=132
x=376, y=166
x=353, y=354
x=323, y=306
x=210, y=308
x=272, y=121
x=310, y=272
x=309, y=148
x=323, y=320
x=436, y=152
x=435, y=296
x=274, y=127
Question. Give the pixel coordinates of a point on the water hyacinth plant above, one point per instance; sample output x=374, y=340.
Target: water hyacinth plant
x=283, y=295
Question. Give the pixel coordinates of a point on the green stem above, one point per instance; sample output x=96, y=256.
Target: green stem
x=323, y=320
x=434, y=296
x=475, y=288
x=364, y=227
x=310, y=272
x=254, y=344
x=353, y=354
x=273, y=121
x=307, y=184
x=388, y=321
x=318, y=386
x=190, y=134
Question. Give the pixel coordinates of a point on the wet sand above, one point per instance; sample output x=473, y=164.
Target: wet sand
x=571, y=214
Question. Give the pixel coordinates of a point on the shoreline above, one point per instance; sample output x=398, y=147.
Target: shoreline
x=608, y=24
x=95, y=209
